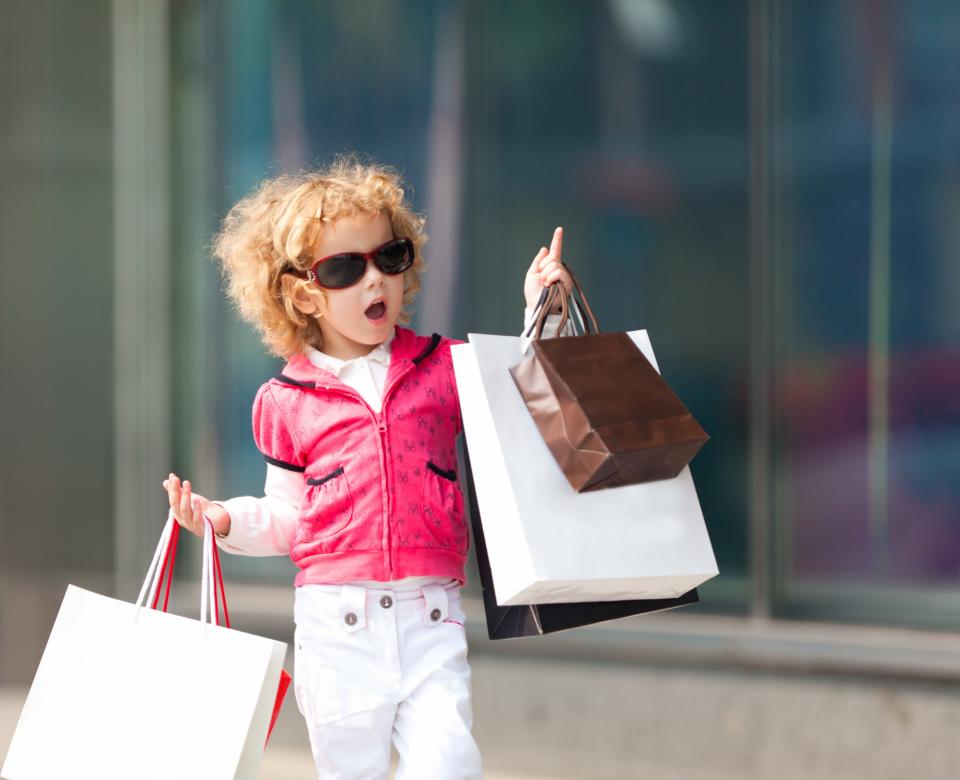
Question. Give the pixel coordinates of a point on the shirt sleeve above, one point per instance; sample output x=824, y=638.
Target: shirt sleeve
x=272, y=435
x=267, y=525
x=550, y=326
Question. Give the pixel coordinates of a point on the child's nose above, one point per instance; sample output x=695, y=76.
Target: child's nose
x=373, y=275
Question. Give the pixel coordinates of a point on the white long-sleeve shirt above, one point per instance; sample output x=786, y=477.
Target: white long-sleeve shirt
x=268, y=525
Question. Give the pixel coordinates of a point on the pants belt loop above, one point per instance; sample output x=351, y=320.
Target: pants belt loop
x=436, y=609
x=352, y=608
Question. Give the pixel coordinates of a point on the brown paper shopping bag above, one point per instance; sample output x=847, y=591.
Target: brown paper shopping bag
x=604, y=412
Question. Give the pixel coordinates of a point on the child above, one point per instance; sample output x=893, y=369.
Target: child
x=361, y=492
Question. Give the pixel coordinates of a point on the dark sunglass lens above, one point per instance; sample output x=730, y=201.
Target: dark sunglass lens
x=341, y=270
x=396, y=257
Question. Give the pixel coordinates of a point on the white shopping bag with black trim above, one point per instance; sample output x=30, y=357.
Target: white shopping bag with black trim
x=547, y=543
x=125, y=691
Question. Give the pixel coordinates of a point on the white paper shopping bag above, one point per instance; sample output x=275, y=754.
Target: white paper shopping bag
x=546, y=542
x=124, y=691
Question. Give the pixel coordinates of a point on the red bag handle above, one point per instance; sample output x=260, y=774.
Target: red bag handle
x=166, y=572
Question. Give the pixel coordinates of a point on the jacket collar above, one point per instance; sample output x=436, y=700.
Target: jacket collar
x=405, y=347
x=379, y=354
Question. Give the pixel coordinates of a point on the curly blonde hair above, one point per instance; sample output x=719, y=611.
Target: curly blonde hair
x=274, y=230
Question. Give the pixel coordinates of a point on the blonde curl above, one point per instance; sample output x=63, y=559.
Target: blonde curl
x=273, y=231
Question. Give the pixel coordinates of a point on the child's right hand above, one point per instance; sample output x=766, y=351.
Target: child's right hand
x=547, y=267
x=189, y=507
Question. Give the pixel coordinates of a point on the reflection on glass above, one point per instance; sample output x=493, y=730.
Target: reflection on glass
x=868, y=358
x=606, y=121
x=624, y=122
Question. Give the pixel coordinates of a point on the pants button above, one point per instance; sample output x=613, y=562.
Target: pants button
x=350, y=619
x=435, y=615
x=386, y=602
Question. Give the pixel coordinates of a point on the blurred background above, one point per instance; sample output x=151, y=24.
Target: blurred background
x=770, y=187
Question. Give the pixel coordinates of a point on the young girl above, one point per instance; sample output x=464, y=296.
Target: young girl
x=361, y=492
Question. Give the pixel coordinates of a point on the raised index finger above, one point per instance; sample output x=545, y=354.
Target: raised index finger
x=556, y=246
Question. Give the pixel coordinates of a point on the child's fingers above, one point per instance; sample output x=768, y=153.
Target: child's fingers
x=535, y=265
x=190, y=519
x=195, y=523
x=550, y=265
x=552, y=274
x=552, y=259
x=173, y=493
x=186, y=508
x=199, y=519
x=557, y=275
x=553, y=256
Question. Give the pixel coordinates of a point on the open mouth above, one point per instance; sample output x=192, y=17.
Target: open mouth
x=376, y=311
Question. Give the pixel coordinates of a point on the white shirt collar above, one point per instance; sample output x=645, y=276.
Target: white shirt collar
x=379, y=354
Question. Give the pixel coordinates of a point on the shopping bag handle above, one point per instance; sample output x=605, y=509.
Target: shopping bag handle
x=151, y=583
x=166, y=569
x=213, y=576
x=548, y=299
x=212, y=591
x=545, y=294
x=219, y=581
x=212, y=579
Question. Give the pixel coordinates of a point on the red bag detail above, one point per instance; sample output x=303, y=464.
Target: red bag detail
x=219, y=596
x=281, y=692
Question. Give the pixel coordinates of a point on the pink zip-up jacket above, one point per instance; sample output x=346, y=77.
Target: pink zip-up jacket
x=381, y=499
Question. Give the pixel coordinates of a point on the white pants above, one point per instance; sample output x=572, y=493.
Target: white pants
x=375, y=665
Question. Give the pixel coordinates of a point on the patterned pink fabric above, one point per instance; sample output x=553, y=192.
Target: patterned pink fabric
x=381, y=498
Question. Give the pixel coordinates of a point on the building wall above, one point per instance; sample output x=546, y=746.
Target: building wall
x=770, y=187
x=56, y=316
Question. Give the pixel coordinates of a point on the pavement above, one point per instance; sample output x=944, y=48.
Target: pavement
x=538, y=718
x=287, y=757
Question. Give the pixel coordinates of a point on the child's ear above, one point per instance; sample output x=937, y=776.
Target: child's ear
x=309, y=301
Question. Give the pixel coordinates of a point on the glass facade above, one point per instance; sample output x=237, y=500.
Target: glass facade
x=770, y=188
x=865, y=354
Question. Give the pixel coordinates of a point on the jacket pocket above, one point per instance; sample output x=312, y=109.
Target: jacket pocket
x=331, y=503
x=441, y=508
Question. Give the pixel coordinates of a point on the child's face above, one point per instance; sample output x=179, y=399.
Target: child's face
x=347, y=329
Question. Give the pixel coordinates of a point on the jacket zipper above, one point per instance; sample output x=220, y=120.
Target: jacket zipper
x=385, y=481
x=386, y=542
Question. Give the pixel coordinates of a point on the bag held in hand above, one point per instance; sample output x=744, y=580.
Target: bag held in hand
x=604, y=412
x=548, y=544
x=509, y=622
x=131, y=691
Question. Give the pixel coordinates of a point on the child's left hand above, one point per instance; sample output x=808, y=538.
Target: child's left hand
x=545, y=269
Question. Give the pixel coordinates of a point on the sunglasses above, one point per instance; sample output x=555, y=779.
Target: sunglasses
x=347, y=268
